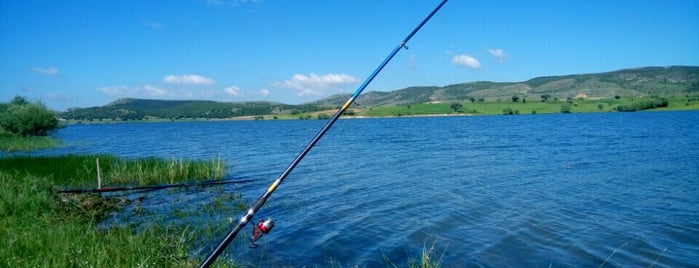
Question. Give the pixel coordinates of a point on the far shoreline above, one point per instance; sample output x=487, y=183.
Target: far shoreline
x=287, y=118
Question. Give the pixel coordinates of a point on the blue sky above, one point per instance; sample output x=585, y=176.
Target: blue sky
x=88, y=53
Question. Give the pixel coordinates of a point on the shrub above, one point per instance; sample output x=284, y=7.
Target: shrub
x=566, y=108
x=27, y=119
x=643, y=105
x=456, y=106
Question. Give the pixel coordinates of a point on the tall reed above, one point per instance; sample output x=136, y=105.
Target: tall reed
x=13, y=143
x=151, y=171
x=81, y=170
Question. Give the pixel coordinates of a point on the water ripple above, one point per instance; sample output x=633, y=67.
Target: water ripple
x=500, y=191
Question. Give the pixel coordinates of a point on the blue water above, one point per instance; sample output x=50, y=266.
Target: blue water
x=488, y=191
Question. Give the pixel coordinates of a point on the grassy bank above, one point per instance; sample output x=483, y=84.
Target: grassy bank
x=13, y=143
x=40, y=228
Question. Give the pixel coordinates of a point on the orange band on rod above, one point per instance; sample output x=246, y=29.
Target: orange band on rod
x=347, y=104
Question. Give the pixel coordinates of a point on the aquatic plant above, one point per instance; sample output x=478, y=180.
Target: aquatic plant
x=427, y=259
x=152, y=171
x=81, y=170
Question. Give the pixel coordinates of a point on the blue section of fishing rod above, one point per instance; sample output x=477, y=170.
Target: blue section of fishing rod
x=263, y=198
x=394, y=52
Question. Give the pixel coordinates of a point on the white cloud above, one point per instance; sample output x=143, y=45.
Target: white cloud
x=264, y=92
x=152, y=91
x=46, y=71
x=499, y=54
x=316, y=85
x=464, y=60
x=233, y=91
x=189, y=79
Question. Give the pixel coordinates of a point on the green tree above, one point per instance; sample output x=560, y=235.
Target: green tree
x=566, y=108
x=19, y=100
x=27, y=119
x=515, y=98
x=545, y=97
x=456, y=106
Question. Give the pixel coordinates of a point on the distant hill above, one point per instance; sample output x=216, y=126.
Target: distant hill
x=661, y=81
x=647, y=81
x=138, y=109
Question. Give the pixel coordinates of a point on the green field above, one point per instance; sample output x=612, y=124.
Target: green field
x=502, y=107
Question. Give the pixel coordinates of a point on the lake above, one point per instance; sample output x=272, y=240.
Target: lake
x=552, y=190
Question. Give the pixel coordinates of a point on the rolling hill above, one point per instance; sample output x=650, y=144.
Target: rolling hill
x=638, y=82
x=648, y=81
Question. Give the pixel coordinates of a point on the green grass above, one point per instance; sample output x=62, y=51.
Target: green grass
x=530, y=107
x=13, y=143
x=81, y=170
x=427, y=259
x=40, y=228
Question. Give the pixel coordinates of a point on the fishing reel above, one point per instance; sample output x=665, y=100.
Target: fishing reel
x=261, y=228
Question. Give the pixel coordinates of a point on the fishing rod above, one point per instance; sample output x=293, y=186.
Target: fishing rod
x=152, y=187
x=262, y=199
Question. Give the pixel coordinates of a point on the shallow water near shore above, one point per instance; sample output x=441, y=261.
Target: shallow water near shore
x=489, y=191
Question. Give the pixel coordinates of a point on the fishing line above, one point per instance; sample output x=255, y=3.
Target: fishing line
x=262, y=199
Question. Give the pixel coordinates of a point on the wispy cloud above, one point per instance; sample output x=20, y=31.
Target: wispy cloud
x=317, y=85
x=46, y=71
x=499, y=54
x=464, y=60
x=188, y=86
x=264, y=92
x=155, y=25
x=56, y=96
x=189, y=79
x=153, y=90
x=411, y=61
x=233, y=91
x=170, y=92
x=136, y=91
